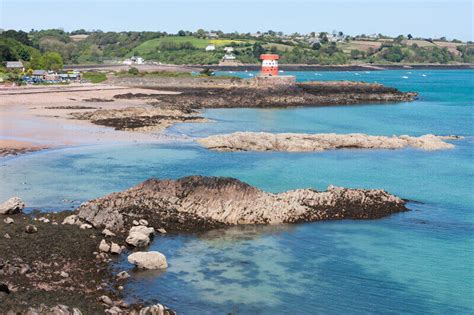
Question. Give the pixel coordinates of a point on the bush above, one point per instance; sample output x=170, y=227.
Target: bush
x=133, y=71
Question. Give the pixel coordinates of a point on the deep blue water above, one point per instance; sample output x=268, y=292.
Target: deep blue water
x=415, y=262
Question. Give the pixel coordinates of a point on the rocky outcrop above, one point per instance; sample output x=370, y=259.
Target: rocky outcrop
x=245, y=94
x=12, y=206
x=200, y=203
x=293, y=142
x=148, y=260
x=138, y=118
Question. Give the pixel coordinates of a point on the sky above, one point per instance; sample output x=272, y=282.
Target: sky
x=421, y=18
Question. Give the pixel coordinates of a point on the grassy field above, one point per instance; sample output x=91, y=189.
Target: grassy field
x=153, y=45
x=94, y=77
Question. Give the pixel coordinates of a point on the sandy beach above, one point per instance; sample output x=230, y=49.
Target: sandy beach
x=38, y=117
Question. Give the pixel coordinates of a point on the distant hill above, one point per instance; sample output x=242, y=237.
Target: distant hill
x=82, y=47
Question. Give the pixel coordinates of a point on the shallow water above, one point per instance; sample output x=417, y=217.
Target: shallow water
x=415, y=262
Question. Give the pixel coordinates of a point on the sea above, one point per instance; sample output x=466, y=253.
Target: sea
x=416, y=262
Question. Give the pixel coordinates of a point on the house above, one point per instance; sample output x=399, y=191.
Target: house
x=128, y=62
x=39, y=74
x=15, y=65
x=212, y=35
x=229, y=57
x=229, y=50
x=211, y=47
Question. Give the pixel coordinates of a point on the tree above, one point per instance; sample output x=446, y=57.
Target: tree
x=316, y=46
x=52, y=61
x=200, y=33
x=181, y=33
x=257, y=50
x=410, y=36
x=20, y=36
x=7, y=53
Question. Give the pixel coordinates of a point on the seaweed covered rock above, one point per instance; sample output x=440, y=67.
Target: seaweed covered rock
x=199, y=203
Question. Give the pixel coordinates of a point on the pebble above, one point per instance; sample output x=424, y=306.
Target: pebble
x=104, y=246
x=7, y=236
x=106, y=300
x=30, y=228
x=115, y=249
x=122, y=275
x=8, y=220
x=108, y=232
x=85, y=226
x=64, y=274
x=143, y=222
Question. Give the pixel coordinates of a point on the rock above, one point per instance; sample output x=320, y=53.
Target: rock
x=115, y=249
x=122, y=275
x=137, y=239
x=198, y=203
x=107, y=232
x=135, y=222
x=114, y=310
x=44, y=220
x=30, y=228
x=64, y=274
x=162, y=230
x=7, y=236
x=85, y=226
x=148, y=231
x=8, y=220
x=56, y=310
x=72, y=219
x=12, y=206
x=106, y=300
x=156, y=309
x=148, y=260
x=104, y=247
x=143, y=222
x=294, y=142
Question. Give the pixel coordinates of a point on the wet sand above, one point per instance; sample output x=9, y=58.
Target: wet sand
x=38, y=117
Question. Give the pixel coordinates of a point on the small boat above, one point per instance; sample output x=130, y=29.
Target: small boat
x=405, y=77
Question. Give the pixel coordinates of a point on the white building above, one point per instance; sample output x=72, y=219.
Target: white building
x=211, y=47
x=229, y=50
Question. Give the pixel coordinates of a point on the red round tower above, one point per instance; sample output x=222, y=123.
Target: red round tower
x=269, y=64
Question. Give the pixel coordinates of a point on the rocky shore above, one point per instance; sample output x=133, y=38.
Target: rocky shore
x=50, y=264
x=199, y=203
x=245, y=94
x=293, y=142
x=138, y=118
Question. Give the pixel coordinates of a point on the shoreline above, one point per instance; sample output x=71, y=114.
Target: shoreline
x=285, y=67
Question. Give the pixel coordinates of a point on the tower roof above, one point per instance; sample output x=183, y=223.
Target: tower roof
x=269, y=57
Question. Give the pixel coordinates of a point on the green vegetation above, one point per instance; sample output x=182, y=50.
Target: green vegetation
x=81, y=47
x=94, y=77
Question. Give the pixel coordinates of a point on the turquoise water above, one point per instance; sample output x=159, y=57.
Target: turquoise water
x=415, y=262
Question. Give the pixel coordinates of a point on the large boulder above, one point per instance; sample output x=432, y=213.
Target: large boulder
x=12, y=206
x=137, y=239
x=199, y=203
x=148, y=231
x=148, y=260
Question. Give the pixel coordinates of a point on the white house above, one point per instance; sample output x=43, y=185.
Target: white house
x=229, y=50
x=211, y=47
x=128, y=62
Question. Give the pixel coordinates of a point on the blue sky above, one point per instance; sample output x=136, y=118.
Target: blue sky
x=425, y=18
